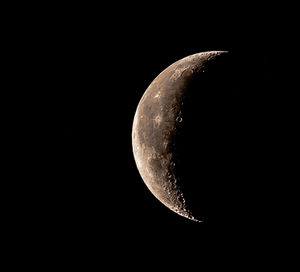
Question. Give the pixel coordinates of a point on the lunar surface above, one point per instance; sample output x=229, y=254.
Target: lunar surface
x=181, y=133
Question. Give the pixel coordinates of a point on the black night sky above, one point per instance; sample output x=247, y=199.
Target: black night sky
x=98, y=67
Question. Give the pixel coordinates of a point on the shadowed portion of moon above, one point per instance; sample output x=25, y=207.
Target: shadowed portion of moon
x=189, y=135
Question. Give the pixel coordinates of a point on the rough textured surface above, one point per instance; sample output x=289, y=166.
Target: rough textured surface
x=157, y=124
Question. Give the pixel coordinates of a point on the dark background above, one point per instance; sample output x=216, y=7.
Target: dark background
x=96, y=64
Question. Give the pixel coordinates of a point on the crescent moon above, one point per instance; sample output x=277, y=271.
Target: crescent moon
x=156, y=124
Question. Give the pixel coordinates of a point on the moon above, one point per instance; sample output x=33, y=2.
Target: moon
x=177, y=127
